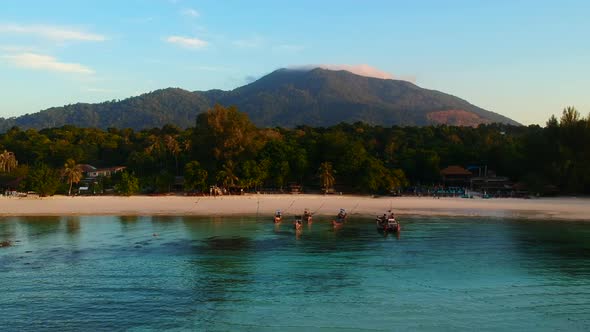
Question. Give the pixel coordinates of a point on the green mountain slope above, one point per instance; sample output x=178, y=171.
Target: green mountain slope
x=284, y=97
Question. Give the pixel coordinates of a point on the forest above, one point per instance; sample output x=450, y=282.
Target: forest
x=225, y=149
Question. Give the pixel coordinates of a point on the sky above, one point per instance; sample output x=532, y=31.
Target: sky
x=523, y=59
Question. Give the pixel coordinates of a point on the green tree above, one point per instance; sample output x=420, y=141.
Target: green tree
x=227, y=175
x=375, y=177
x=43, y=179
x=8, y=161
x=399, y=180
x=569, y=117
x=224, y=133
x=128, y=185
x=326, y=173
x=72, y=172
x=195, y=177
x=254, y=173
x=174, y=148
x=164, y=181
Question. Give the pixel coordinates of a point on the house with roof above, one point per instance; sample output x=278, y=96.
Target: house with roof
x=456, y=176
x=106, y=172
x=91, y=183
x=492, y=184
x=86, y=168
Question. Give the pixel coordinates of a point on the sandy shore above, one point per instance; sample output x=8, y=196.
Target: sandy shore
x=544, y=208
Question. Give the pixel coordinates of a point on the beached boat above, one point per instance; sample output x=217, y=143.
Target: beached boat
x=340, y=218
x=278, y=217
x=307, y=217
x=337, y=223
x=385, y=224
x=298, y=224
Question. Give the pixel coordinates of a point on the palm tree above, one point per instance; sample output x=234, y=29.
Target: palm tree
x=227, y=176
x=174, y=147
x=8, y=161
x=326, y=175
x=186, y=144
x=72, y=172
x=155, y=146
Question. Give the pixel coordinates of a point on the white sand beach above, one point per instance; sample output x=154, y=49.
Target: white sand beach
x=542, y=208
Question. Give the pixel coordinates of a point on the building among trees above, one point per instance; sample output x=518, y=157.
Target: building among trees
x=456, y=176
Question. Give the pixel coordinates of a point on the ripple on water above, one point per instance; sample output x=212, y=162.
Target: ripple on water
x=112, y=273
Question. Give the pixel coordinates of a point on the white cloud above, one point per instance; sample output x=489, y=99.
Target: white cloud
x=51, y=32
x=362, y=69
x=190, y=12
x=46, y=62
x=15, y=48
x=187, y=42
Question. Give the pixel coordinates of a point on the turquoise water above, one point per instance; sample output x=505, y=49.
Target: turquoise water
x=174, y=273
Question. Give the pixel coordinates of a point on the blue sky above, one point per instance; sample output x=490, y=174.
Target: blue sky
x=523, y=59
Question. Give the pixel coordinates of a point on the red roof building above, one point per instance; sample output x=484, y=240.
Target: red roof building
x=456, y=176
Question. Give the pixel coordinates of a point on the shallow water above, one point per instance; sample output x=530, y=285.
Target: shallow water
x=173, y=273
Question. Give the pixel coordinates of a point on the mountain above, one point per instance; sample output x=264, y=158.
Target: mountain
x=323, y=97
x=285, y=97
x=175, y=106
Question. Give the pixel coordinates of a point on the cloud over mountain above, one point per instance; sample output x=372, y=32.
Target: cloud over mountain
x=361, y=69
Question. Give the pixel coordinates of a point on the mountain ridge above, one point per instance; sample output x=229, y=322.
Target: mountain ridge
x=285, y=97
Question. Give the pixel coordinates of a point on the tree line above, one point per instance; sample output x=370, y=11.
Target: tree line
x=225, y=149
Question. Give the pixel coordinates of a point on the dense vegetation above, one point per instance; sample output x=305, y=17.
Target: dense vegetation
x=283, y=98
x=224, y=148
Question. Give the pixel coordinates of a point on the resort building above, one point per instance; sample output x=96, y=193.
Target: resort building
x=94, y=179
x=456, y=176
x=86, y=168
x=492, y=184
x=104, y=171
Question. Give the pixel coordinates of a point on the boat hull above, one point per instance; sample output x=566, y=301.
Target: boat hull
x=389, y=226
x=394, y=229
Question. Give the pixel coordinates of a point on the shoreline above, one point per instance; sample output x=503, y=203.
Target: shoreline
x=564, y=208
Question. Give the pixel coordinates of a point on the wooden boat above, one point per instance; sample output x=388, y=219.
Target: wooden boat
x=298, y=224
x=307, y=217
x=337, y=223
x=278, y=218
x=340, y=218
x=385, y=224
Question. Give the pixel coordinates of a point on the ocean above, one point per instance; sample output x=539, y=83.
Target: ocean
x=158, y=273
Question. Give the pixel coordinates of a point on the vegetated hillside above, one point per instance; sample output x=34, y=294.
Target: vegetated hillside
x=284, y=97
x=174, y=106
x=324, y=97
